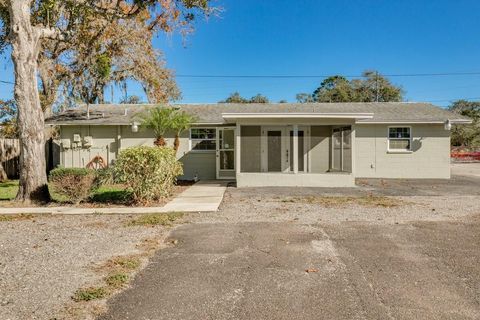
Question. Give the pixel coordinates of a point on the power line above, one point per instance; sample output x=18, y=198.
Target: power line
x=7, y=82
x=247, y=76
x=450, y=100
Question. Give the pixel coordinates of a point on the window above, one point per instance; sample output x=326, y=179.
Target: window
x=203, y=139
x=399, y=139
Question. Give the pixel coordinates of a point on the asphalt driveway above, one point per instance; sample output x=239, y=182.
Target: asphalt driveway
x=272, y=253
x=423, y=270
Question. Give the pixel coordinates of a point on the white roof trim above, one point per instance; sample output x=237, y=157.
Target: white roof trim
x=296, y=115
x=454, y=121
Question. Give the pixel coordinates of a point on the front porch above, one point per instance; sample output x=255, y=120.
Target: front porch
x=295, y=152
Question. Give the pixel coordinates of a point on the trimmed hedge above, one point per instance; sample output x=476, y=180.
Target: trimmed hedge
x=72, y=184
x=149, y=173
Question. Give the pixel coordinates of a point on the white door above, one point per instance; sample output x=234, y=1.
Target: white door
x=337, y=150
x=303, y=148
x=226, y=153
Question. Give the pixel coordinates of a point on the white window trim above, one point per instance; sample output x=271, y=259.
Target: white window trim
x=389, y=150
x=201, y=151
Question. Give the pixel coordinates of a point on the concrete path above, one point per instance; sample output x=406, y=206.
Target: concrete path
x=292, y=271
x=202, y=196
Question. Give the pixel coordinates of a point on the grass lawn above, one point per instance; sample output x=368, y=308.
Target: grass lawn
x=112, y=194
x=8, y=190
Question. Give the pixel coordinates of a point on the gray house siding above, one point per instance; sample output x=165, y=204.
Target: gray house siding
x=430, y=156
x=109, y=140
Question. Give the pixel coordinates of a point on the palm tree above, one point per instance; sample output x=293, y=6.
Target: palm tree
x=181, y=121
x=159, y=119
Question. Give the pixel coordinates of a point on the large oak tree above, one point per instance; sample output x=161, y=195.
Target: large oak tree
x=61, y=21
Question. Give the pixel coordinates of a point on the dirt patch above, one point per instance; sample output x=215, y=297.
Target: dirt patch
x=49, y=262
x=339, y=201
x=153, y=219
x=16, y=217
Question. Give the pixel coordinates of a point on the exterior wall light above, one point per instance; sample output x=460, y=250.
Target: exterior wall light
x=448, y=125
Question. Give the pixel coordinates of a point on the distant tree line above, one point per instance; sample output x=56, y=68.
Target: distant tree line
x=466, y=135
x=237, y=98
x=372, y=87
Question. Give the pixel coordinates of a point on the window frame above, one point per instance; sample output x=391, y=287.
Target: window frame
x=390, y=150
x=190, y=140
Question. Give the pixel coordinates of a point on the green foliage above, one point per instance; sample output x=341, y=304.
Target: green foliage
x=466, y=135
x=88, y=294
x=335, y=89
x=259, y=99
x=162, y=119
x=8, y=119
x=4, y=27
x=181, y=121
x=131, y=100
x=237, y=98
x=304, y=98
x=72, y=184
x=116, y=280
x=158, y=119
x=111, y=194
x=105, y=176
x=371, y=88
x=103, y=66
x=8, y=190
x=123, y=263
x=148, y=172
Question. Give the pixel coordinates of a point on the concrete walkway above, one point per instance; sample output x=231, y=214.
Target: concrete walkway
x=202, y=196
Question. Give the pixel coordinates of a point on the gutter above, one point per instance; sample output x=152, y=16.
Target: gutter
x=454, y=121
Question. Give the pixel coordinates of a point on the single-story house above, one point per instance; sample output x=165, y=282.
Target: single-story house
x=312, y=144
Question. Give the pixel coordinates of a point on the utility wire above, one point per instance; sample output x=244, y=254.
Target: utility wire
x=443, y=74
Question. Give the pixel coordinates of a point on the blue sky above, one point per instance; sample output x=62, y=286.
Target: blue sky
x=316, y=37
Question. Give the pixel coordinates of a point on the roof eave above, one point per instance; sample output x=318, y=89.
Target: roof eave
x=452, y=121
x=295, y=115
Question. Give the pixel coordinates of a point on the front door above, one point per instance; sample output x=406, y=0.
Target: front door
x=226, y=153
x=275, y=153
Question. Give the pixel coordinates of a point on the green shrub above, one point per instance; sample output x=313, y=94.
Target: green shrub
x=72, y=184
x=149, y=173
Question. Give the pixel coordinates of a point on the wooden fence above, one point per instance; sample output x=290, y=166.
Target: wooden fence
x=9, y=157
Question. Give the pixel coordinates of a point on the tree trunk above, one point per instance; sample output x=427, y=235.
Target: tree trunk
x=25, y=40
x=176, y=144
x=3, y=173
x=160, y=142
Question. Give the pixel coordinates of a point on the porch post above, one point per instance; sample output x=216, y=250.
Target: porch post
x=295, y=148
x=353, y=142
x=237, y=149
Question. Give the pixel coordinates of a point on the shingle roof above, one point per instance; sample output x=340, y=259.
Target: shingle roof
x=124, y=114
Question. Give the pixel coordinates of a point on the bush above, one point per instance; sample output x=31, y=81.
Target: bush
x=72, y=184
x=149, y=173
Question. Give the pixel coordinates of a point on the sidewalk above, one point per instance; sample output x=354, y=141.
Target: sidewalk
x=203, y=196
